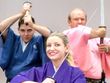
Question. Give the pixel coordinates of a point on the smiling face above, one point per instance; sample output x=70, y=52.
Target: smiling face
x=55, y=48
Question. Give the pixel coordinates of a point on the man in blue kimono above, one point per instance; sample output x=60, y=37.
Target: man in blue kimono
x=22, y=52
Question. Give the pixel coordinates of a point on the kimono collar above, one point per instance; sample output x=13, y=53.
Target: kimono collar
x=24, y=45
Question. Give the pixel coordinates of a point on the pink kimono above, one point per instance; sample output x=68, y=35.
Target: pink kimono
x=100, y=61
x=83, y=53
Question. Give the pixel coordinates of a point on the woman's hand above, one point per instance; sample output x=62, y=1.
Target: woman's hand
x=49, y=80
x=29, y=82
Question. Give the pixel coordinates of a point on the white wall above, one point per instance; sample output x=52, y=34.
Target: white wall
x=53, y=13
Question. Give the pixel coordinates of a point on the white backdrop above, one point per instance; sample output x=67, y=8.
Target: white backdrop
x=53, y=13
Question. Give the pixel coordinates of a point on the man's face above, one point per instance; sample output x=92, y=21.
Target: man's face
x=26, y=32
x=77, y=18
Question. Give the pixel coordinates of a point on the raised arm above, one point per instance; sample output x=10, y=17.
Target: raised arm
x=11, y=20
x=42, y=29
x=39, y=28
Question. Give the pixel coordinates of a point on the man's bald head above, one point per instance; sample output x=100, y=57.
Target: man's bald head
x=77, y=17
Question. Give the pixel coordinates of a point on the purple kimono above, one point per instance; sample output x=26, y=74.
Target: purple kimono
x=65, y=74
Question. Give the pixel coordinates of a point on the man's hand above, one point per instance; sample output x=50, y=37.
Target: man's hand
x=26, y=8
x=103, y=48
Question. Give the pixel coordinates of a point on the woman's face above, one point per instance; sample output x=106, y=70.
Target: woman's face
x=55, y=48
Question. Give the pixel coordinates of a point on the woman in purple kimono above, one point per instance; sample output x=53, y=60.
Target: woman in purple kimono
x=58, y=70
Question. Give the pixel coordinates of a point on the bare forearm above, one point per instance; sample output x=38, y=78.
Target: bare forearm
x=9, y=21
x=42, y=30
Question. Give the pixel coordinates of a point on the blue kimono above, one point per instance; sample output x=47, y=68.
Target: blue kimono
x=65, y=74
x=1, y=45
x=14, y=60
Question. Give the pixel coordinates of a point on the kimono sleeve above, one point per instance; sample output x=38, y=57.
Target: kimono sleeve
x=1, y=45
x=34, y=74
x=7, y=49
